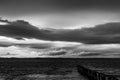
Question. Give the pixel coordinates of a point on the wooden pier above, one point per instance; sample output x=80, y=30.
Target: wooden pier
x=96, y=74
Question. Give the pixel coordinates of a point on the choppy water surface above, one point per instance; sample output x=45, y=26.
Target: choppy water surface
x=51, y=69
x=58, y=74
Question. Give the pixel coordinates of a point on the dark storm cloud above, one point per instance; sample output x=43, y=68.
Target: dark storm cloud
x=100, y=34
x=5, y=44
x=19, y=28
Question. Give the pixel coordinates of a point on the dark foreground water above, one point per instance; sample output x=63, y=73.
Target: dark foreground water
x=51, y=68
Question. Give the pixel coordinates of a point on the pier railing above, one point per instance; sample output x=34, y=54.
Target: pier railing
x=93, y=74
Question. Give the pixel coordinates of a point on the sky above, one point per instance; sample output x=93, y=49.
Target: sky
x=61, y=13
x=60, y=28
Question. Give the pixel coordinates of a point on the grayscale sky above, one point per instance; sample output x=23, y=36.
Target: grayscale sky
x=60, y=28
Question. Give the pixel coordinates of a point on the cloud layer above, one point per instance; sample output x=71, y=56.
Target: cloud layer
x=100, y=34
x=79, y=51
